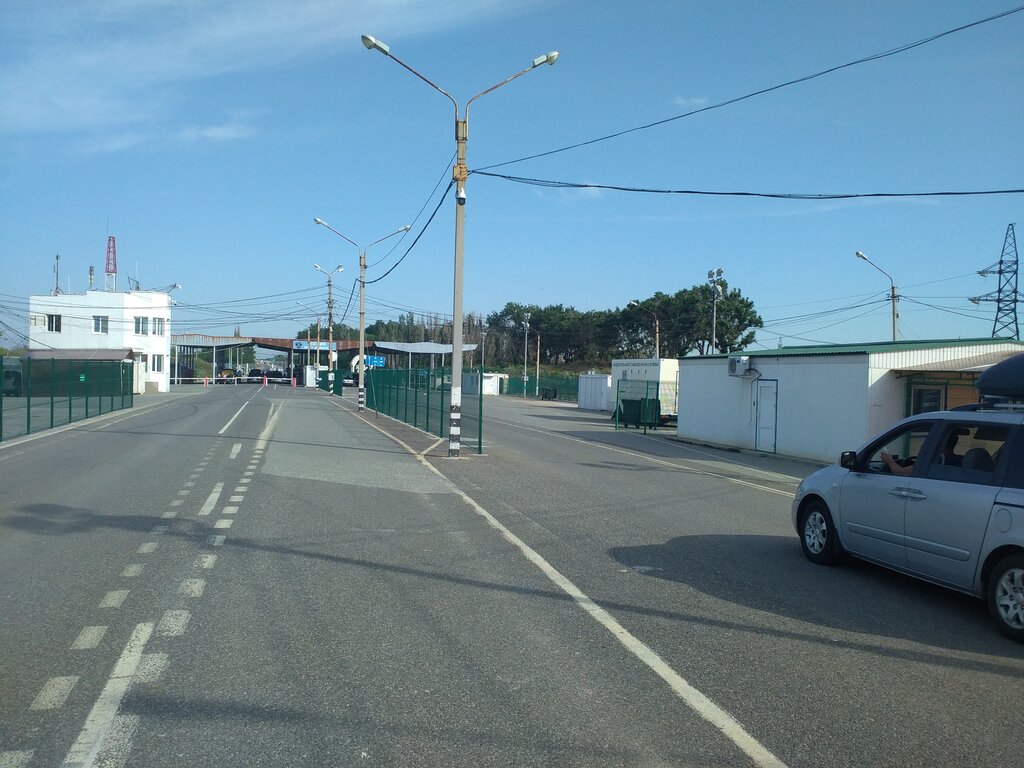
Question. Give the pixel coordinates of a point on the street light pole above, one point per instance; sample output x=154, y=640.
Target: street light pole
x=657, y=326
x=361, y=402
x=714, y=276
x=330, y=318
x=459, y=175
x=892, y=292
x=526, y=338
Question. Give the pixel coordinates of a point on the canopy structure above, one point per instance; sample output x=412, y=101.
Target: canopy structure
x=420, y=347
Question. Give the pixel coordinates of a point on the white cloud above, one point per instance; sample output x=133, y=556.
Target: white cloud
x=224, y=132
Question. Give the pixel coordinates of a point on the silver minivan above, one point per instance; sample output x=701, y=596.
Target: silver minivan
x=939, y=496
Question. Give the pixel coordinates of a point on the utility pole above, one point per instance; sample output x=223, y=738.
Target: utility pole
x=1005, y=296
x=526, y=337
x=714, y=278
x=536, y=382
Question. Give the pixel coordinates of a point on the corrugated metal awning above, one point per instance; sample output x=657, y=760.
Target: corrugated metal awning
x=420, y=347
x=975, y=364
x=81, y=354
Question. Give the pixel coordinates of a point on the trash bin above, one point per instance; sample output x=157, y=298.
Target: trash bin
x=548, y=393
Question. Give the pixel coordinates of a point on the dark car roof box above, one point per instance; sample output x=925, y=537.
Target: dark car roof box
x=1005, y=379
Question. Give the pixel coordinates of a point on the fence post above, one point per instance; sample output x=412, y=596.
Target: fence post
x=480, y=413
x=1, y=399
x=430, y=386
x=51, y=393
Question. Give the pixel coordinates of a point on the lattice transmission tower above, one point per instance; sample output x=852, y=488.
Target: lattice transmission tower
x=1006, y=296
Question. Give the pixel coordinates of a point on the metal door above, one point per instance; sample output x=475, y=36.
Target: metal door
x=767, y=415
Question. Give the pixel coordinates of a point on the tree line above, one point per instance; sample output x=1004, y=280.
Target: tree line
x=571, y=338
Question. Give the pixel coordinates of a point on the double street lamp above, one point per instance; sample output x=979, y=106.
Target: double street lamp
x=892, y=292
x=330, y=316
x=459, y=173
x=715, y=281
x=362, y=301
x=657, y=326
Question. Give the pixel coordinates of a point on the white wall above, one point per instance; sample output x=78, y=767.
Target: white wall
x=665, y=372
x=594, y=392
x=120, y=308
x=822, y=404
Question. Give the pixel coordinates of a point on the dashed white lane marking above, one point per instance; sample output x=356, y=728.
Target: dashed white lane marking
x=148, y=548
x=151, y=667
x=691, y=696
x=157, y=529
x=173, y=623
x=192, y=588
x=240, y=489
x=184, y=492
x=244, y=480
x=248, y=473
x=188, y=484
x=101, y=720
x=206, y=561
x=88, y=638
x=236, y=499
x=229, y=510
x=170, y=513
x=54, y=693
x=131, y=571
x=212, y=499
x=215, y=541
x=114, y=598
x=17, y=758
x=235, y=450
x=177, y=502
x=113, y=753
x=224, y=523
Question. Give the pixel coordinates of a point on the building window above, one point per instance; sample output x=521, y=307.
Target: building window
x=141, y=326
x=158, y=363
x=53, y=323
x=158, y=326
x=927, y=399
x=100, y=324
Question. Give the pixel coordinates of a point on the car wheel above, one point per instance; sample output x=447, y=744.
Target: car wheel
x=1006, y=596
x=818, y=534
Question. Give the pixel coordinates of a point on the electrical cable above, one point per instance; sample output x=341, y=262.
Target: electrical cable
x=804, y=79
x=425, y=227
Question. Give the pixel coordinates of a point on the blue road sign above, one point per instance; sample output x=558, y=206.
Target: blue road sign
x=375, y=361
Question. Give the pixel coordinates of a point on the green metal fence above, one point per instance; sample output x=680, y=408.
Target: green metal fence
x=422, y=398
x=637, y=404
x=43, y=394
x=564, y=388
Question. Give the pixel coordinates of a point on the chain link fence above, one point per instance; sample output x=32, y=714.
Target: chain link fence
x=564, y=388
x=43, y=394
x=637, y=404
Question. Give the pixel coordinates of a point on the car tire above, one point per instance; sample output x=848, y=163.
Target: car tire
x=818, y=534
x=1005, y=596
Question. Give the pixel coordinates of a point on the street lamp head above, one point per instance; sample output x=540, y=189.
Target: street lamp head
x=860, y=255
x=373, y=43
x=406, y=228
x=634, y=303
x=318, y=221
x=548, y=58
x=317, y=268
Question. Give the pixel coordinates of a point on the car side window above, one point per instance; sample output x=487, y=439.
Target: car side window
x=897, y=452
x=970, y=453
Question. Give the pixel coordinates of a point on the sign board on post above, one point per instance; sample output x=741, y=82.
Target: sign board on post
x=375, y=361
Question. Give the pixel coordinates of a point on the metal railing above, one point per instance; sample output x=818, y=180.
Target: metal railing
x=43, y=394
x=564, y=388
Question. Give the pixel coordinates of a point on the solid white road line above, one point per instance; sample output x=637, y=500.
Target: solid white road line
x=17, y=758
x=225, y=427
x=235, y=450
x=100, y=722
x=692, y=697
x=212, y=499
x=88, y=638
x=113, y=753
x=54, y=693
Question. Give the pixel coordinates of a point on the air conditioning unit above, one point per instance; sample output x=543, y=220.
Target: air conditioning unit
x=739, y=366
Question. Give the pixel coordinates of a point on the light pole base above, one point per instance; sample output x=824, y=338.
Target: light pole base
x=361, y=401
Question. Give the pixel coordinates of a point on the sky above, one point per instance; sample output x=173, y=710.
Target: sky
x=207, y=136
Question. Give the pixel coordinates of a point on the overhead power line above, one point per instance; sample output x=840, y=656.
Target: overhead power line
x=762, y=91
x=774, y=195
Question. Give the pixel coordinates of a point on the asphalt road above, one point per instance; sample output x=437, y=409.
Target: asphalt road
x=260, y=577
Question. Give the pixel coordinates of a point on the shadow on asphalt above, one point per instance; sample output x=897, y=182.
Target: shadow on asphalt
x=771, y=574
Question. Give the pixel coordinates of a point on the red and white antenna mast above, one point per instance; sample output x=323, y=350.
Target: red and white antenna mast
x=110, y=283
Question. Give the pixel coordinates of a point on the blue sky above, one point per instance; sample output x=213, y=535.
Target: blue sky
x=207, y=136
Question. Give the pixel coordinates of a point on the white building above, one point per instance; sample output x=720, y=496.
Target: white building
x=135, y=320
x=815, y=402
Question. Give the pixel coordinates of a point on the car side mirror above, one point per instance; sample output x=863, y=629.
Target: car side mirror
x=848, y=460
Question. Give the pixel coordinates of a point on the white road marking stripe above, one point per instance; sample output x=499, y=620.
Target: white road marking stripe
x=216, y=541
x=159, y=529
x=231, y=420
x=241, y=489
x=236, y=499
x=173, y=623
x=54, y=693
x=16, y=758
x=88, y=638
x=114, y=598
x=169, y=514
x=244, y=480
x=229, y=510
x=113, y=753
x=99, y=724
x=224, y=523
x=192, y=588
x=131, y=571
x=148, y=548
x=177, y=502
x=206, y=561
x=184, y=492
x=212, y=499
x=188, y=484
x=235, y=450
x=691, y=696
x=247, y=473
x=264, y=438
